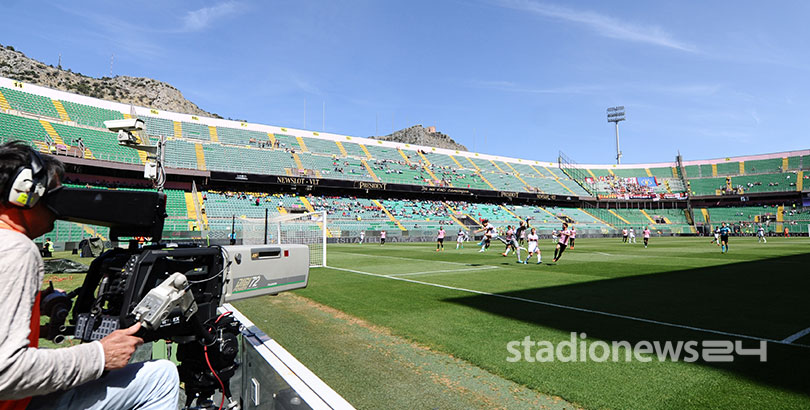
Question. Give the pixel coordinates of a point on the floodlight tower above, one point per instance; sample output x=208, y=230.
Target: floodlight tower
x=615, y=115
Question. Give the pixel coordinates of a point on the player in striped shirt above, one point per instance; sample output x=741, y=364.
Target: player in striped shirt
x=562, y=243
x=460, y=239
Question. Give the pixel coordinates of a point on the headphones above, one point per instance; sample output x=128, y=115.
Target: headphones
x=28, y=184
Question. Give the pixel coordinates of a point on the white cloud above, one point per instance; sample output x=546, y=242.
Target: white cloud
x=305, y=85
x=755, y=116
x=202, y=18
x=603, y=25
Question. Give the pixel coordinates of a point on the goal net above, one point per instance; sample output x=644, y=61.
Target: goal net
x=304, y=228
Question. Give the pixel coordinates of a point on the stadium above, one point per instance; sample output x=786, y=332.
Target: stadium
x=531, y=272
x=226, y=177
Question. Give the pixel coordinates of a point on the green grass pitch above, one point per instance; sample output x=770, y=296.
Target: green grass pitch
x=471, y=304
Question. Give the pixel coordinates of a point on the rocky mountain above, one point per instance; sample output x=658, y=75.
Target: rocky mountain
x=418, y=135
x=140, y=91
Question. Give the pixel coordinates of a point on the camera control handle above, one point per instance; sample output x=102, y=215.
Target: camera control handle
x=171, y=294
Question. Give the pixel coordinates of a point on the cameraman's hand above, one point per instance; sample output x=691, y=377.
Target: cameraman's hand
x=119, y=346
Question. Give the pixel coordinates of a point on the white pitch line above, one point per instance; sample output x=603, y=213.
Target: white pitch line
x=445, y=270
x=577, y=309
x=790, y=339
x=404, y=258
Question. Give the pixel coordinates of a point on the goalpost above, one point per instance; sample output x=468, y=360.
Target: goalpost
x=301, y=228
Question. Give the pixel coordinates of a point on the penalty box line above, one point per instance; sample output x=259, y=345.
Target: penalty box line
x=579, y=309
x=402, y=258
x=444, y=270
x=796, y=336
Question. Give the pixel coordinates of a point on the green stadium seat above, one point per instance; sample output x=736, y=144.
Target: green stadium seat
x=13, y=127
x=158, y=126
x=237, y=136
x=764, y=166
x=103, y=144
x=89, y=115
x=728, y=168
x=30, y=103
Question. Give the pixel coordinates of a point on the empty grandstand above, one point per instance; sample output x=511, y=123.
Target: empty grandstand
x=369, y=185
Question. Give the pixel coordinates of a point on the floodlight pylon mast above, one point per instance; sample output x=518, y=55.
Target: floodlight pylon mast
x=616, y=115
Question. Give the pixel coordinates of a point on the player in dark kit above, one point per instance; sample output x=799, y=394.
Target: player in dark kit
x=489, y=232
x=724, y=231
x=562, y=243
x=520, y=233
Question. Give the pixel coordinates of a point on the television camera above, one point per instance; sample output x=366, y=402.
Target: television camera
x=173, y=291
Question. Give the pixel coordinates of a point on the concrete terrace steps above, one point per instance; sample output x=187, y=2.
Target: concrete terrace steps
x=61, y=110
x=4, y=103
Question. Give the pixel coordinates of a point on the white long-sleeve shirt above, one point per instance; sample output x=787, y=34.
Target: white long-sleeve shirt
x=24, y=370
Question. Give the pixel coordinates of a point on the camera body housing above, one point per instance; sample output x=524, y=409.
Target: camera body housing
x=174, y=291
x=127, y=125
x=125, y=129
x=214, y=275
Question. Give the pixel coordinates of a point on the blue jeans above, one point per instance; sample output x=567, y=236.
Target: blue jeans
x=152, y=385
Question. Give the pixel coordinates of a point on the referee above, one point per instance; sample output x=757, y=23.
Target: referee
x=724, y=231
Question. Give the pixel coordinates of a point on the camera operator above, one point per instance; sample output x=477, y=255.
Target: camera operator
x=87, y=376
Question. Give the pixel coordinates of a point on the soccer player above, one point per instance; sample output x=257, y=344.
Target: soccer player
x=632, y=236
x=553, y=236
x=761, y=235
x=489, y=232
x=440, y=240
x=460, y=239
x=624, y=235
x=573, y=236
x=562, y=243
x=382, y=238
x=521, y=232
x=646, y=236
x=533, y=248
x=509, y=240
x=717, y=235
x=362, y=236
x=724, y=231
x=520, y=235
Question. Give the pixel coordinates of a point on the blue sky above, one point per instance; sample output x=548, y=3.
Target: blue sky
x=520, y=78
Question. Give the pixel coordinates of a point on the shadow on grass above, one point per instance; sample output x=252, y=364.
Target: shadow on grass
x=766, y=299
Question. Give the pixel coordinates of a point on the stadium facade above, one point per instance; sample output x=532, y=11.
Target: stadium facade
x=222, y=173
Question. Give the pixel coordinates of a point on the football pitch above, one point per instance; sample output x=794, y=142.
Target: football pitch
x=470, y=305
